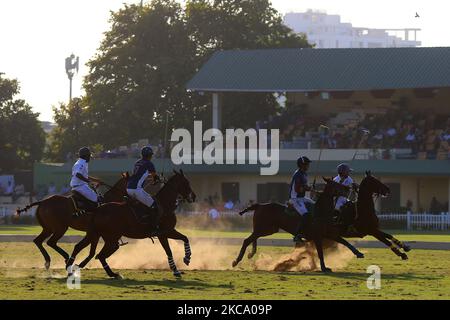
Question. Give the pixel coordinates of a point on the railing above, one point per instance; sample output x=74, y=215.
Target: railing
x=421, y=221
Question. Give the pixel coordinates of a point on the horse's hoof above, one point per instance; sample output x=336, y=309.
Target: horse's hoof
x=360, y=255
x=234, y=264
x=47, y=265
x=187, y=261
x=406, y=248
x=327, y=270
x=116, y=276
x=177, y=274
x=250, y=255
x=404, y=257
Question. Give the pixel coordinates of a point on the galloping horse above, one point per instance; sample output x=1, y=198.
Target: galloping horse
x=364, y=219
x=55, y=215
x=269, y=218
x=114, y=220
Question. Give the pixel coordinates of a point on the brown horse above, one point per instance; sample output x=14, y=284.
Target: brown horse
x=269, y=218
x=362, y=218
x=55, y=215
x=114, y=220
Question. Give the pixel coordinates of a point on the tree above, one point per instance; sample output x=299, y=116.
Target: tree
x=139, y=73
x=71, y=131
x=22, y=139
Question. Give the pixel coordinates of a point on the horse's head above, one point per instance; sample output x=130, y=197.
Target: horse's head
x=334, y=189
x=373, y=185
x=182, y=186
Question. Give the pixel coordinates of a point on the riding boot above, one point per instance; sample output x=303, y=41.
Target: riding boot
x=298, y=238
x=154, y=220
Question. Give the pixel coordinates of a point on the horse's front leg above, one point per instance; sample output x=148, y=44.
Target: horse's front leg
x=165, y=244
x=176, y=235
x=344, y=242
x=396, y=241
x=378, y=234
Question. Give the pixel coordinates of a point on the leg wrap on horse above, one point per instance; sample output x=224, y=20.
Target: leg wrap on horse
x=187, y=249
x=172, y=265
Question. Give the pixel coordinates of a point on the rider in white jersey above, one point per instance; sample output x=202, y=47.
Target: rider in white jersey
x=343, y=178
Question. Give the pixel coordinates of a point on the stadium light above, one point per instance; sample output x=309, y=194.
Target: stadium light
x=72, y=66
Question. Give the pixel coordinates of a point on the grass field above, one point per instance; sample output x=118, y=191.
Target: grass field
x=426, y=275
x=435, y=236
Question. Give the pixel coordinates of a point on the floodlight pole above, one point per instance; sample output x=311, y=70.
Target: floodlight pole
x=72, y=64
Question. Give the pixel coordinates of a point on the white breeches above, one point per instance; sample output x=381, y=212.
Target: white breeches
x=86, y=192
x=340, y=202
x=299, y=204
x=142, y=196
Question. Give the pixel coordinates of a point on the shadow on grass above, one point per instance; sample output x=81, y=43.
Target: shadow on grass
x=136, y=283
x=363, y=276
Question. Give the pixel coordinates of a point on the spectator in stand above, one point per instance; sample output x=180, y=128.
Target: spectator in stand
x=51, y=189
x=445, y=136
x=435, y=206
x=378, y=139
x=9, y=191
x=411, y=139
x=65, y=190
x=19, y=190
x=213, y=213
x=229, y=205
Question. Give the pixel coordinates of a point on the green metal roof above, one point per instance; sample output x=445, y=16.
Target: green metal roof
x=300, y=70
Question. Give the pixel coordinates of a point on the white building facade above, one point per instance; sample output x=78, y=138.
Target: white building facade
x=327, y=31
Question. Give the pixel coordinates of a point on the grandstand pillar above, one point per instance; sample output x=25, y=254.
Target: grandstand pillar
x=448, y=196
x=216, y=111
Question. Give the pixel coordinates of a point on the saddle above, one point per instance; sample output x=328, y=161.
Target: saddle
x=81, y=204
x=142, y=213
x=290, y=210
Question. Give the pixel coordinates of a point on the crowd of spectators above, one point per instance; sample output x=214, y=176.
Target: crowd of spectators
x=427, y=135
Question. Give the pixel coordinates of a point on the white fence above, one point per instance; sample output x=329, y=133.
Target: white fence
x=421, y=221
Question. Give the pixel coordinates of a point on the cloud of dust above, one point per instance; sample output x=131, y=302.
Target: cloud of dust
x=213, y=255
x=305, y=258
x=143, y=254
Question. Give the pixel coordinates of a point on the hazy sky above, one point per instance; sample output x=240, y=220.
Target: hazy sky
x=36, y=36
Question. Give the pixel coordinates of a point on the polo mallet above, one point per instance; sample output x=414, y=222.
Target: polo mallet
x=321, y=127
x=365, y=132
x=165, y=145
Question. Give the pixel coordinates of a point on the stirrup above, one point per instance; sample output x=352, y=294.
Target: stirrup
x=121, y=243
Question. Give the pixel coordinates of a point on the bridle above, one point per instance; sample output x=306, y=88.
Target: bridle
x=169, y=183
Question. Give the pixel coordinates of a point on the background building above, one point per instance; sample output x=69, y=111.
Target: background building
x=327, y=31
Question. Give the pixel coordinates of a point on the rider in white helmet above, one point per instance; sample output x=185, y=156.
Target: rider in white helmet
x=343, y=178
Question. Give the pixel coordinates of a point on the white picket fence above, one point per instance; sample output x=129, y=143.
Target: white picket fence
x=421, y=221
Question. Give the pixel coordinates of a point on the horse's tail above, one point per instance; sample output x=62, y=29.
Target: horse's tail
x=19, y=211
x=250, y=208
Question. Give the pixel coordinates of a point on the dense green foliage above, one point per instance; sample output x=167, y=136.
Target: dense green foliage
x=22, y=138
